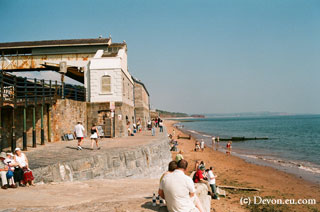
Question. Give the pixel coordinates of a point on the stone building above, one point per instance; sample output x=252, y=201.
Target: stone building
x=141, y=102
x=98, y=63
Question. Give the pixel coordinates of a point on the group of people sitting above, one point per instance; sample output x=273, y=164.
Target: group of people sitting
x=14, y=170
x=178, y=189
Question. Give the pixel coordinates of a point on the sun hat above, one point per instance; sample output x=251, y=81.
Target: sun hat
x=9, y=153
x=17, y=149
x=3, y=155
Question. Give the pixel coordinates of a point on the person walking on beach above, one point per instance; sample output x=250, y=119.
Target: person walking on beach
x=79, y=134
x=229, y=148
x=94, y=136
x=202, y=145
x=213, y=142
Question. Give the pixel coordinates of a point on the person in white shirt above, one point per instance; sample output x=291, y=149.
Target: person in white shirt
x=212, y=182
x=79, y=133
x=202, y=145
x=179, y=192
x=3, y=171
x=213, y=142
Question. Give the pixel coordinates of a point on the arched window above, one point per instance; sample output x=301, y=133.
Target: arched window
x=106, y=84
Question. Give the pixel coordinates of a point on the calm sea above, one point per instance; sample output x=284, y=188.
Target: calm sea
x=293, y=144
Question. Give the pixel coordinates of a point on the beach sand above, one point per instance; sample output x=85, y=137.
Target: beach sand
x=234, y=171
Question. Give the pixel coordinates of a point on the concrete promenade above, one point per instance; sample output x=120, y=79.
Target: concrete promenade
x=116, y=188
x=64, y=151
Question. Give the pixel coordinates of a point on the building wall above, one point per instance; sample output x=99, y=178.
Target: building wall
x=141, y=100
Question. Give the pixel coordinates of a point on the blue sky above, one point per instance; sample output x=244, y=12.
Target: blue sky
x=195, y=56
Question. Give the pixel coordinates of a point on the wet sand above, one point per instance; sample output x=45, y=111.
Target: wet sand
x=234, y=171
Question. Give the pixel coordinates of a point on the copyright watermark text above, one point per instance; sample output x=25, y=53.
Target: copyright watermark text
x=257, y=200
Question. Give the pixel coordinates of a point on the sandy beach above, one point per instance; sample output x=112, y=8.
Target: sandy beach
x=234, y=171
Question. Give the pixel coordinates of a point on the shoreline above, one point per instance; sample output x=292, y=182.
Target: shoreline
x=297, y=168
x=235, y=171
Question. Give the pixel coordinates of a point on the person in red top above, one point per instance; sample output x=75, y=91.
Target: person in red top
x=199, y=178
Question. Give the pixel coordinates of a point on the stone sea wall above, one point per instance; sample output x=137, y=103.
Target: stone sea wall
x=145, y=161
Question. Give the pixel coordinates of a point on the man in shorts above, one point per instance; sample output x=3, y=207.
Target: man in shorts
x=79, y=133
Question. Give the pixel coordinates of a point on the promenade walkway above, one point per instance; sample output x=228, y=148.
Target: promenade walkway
x=64, y=151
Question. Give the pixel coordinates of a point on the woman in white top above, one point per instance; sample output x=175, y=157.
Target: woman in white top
x=11, y=163
x=23, y=162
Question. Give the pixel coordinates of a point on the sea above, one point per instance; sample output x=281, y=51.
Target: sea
x=293, y=143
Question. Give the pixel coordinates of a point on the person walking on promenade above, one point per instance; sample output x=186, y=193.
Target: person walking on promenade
x=179, y=192
x=153, y=130
x=94, y=136
x=213, y=140
x=79, y=134
x=202, y=145
x=161, y=126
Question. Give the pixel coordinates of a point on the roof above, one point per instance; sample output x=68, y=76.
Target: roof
x=139, y=82
x=55, y=43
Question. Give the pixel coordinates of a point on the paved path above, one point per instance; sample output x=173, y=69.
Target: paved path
x=64, y=151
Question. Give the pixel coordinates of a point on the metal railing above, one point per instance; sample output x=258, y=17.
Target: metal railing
x=18, y=90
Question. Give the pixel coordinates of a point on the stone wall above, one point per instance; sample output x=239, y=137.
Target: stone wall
x=64, y=116
x=145, y=161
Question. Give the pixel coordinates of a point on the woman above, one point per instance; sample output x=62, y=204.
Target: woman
x=11, y=164
x=94, y=136
x=24, y=174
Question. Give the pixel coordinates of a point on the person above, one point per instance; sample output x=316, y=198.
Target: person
x=173, y=133
x=213, y=142
x=139, y=125
x=229, y=148
x=179, y=192
x=197, y=164
x=11, y=164
x=161, y=126
x=212, y=182
x=149, y=125
x=179, y=156
x=173, y=165
x=79, y=134
x=94, y=136
x=197, y=146
x=153, y=130
x=23, y=164
x=199, y=177
x=202, y=145
x=3, y=171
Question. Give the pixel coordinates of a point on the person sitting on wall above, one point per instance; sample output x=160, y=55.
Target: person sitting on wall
x=179, y=192
x=198, y=177
x=3, y=171
x=23, y=162
x=11, y=163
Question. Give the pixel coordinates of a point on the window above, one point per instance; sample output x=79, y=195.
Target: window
x=106, y=84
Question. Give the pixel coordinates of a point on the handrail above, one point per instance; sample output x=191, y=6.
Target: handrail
x=22, y=89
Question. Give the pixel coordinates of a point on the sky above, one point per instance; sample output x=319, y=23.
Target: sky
x=195, y=56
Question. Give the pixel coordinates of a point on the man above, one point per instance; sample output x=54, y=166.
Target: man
x=213, y=142
x=179, y=156
x=3, y=171
x=178, y=190
x=202, y=145
x=79, y=133
x=212, y=182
